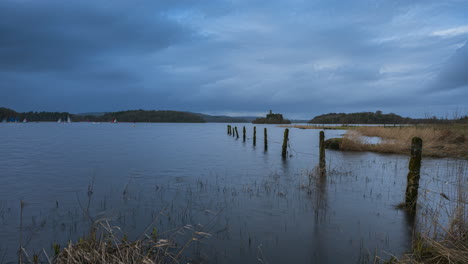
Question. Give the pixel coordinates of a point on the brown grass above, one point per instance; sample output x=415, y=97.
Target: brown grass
x=437, y=240
x=438, y=141
x=320, y=127
x=106, y=244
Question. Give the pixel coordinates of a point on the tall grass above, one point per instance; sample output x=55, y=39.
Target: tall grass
x=438, y=141
x=441, y=234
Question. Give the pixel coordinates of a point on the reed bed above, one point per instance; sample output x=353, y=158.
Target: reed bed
x=444, y=141
x=441, y=233
x=107, y=244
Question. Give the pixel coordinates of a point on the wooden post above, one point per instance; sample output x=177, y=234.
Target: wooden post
x=322, y=164
x=229, y=129
x=237, y=132
x=255, y=136
x=243, y=136
x=411, y=196
x=285, y=143
x=266, y=138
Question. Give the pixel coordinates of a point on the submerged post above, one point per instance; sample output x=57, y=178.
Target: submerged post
x=229, y=129
x=285, y=143
x=411, y=196
x=243, y=136
x=255, y=136
x=322, y=164
x=237, y=132
x=266, y=138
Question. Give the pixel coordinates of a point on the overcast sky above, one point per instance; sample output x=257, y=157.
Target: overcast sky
x=300, y=58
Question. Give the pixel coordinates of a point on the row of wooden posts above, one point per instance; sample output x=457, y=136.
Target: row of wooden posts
x=284, y=150
x=234, y=132
x=411, y=194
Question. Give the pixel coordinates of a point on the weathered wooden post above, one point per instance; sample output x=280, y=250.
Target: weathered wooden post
x=255, y=136
x=243, y=136
x=265, y=138
x=237, y=132
x=322, y=164
x=285, y=143
x=229, y=130
x=411, y=196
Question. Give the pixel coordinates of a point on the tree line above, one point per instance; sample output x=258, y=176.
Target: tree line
x=379, y=118
x=10, y=115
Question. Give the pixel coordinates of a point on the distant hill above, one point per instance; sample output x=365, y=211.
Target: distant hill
x=92, y=114
x=360, y=118
x=12, y=116
x=153, y=116
x=222, y=119
x=271, y=118
x=379, y=118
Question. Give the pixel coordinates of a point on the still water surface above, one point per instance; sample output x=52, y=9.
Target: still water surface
x=257, y=207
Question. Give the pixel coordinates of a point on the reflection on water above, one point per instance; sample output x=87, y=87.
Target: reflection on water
x=255, y=205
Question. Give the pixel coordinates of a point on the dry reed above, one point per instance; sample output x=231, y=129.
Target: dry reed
x=437, y=141
x=106, y=244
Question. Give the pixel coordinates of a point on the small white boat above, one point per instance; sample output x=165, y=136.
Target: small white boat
x=114, y=120
x=59, y=120
x=25, y=120
x=68, y=119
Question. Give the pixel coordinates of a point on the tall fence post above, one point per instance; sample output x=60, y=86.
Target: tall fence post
x=322, y=164
x=243, y=136
x=237, y=132
x=411, y=196
x=228, y=129
x=285, y=143
x=265, y=136
x=255, y=136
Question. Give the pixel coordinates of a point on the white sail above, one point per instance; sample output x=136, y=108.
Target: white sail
x=68, y=119
x=59, y=120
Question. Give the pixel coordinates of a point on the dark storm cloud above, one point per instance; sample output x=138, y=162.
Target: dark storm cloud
x=61, y=35
x=298, y=57
x=454, y=74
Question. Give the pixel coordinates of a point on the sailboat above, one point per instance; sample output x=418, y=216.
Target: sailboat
x=59, y=120
x=25, y=120
x=68, y=119
x=114, y=120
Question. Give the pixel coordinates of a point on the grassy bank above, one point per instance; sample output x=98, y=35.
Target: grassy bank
x=107, y=244
x=438, y=140
x=441, y=229
x=342, y=127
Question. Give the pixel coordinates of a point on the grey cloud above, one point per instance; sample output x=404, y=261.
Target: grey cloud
x=38, y=36
x=246, y=56
x=454, y=73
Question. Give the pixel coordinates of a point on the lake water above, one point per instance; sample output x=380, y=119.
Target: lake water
x=257, y=207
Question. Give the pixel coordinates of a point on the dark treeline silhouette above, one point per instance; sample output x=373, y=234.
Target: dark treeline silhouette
x=379, y=118
x=122, y=116
x=11, y=115
x=152, y=116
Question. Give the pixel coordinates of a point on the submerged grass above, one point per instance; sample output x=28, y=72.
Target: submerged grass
x=441, y=235
x=438, y=141
x=107, y=244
